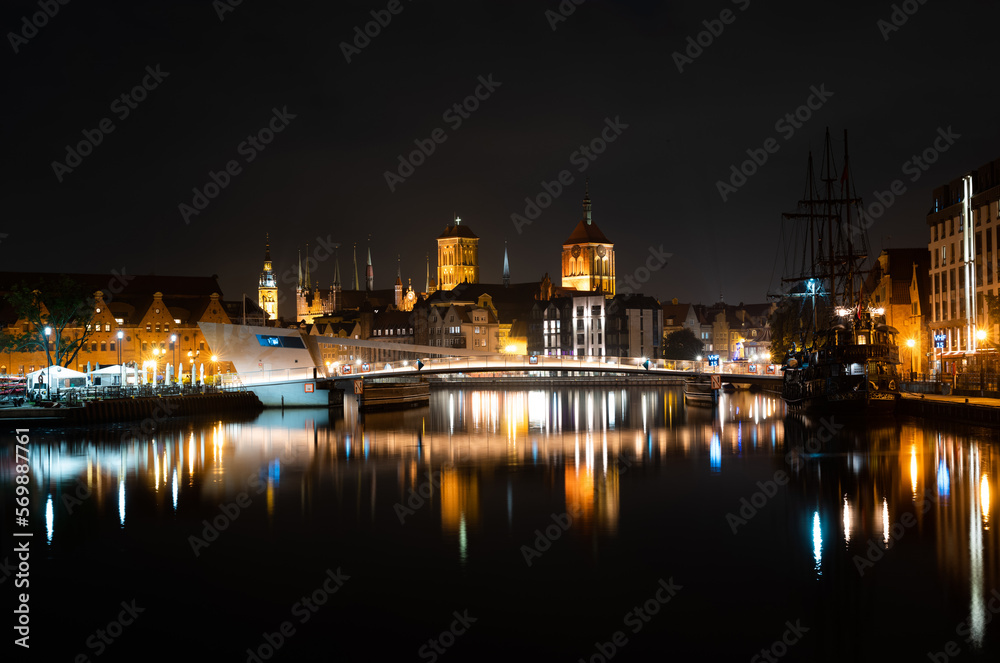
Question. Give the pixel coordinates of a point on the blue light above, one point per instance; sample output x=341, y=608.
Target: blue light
x=715, y=454
x=943, y=479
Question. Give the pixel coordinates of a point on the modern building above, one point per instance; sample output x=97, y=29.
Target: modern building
x=963, y=223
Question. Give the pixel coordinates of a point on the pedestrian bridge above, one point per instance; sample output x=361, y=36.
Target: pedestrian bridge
x=501, y=367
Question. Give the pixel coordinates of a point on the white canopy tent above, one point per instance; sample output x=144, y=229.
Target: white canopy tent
x=111, y=375
x=58, y=377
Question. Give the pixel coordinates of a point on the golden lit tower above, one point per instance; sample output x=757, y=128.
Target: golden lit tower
x=458, y=256
x=588, y=257
x=267, y=288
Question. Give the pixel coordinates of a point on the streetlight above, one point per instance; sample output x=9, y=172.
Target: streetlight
x=910, y=343
x=121, y=369
x=156, y=363
x=48, y=366
x=173, y=347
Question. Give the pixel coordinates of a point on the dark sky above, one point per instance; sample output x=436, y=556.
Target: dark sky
x=324, y=174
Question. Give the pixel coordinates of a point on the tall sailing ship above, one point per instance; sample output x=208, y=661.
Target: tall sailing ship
x=846, y=357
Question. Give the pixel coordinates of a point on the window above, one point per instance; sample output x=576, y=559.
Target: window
x=104, y=346
x=107, y=326
x=112, y=346
x=201, y=346
x=595, y=310
x=579, y=339
x=157, y=327
x=149, y=327
x=579, y=324
x=579, y=311
x=145, y=347
x=93, y=347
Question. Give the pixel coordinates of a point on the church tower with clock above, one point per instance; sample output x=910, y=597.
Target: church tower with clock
x=588, y=257
x=267, y=288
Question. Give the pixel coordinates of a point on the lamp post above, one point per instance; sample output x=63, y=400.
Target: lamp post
x=156, y=364
x=121, y=369
x=173, y=348
x=910, y=343
x=48, y=365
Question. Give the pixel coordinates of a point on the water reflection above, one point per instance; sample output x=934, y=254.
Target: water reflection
x=480, y=469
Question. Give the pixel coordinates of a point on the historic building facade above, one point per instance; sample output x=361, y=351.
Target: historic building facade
x=588, y=257
x=267, y=288
x=458, y=256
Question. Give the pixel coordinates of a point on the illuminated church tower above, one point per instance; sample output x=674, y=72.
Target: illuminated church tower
x=588, y=257
x=458, y=256
x=267, y=289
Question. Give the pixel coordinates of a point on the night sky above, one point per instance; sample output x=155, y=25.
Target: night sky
x=552, y=91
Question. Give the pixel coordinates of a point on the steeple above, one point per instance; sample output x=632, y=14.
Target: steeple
x=267, y=251
x=336, y=269
x=369, y=273
x=506, y=266
x=267, y=288
x=300, y=269
x=308, y=282
x=357, y=282
x=586, y=203
x=427, y=279
x=399, y=274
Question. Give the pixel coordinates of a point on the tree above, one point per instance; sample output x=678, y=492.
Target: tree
x=682, y=344
x=58, y=304
x=787, y=327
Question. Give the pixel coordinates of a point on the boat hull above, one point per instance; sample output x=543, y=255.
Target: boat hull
x=857, y=403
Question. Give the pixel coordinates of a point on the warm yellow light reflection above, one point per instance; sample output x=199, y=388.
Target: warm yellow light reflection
x=984, y=497
x=913, y=469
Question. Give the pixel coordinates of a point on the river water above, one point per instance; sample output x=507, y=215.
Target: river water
x=562, y=524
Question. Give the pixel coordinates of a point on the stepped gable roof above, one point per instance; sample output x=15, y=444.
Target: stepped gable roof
x=586, y=233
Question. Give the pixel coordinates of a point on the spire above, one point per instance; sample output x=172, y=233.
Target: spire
x=399, y=274
x=308, y=283
x=267, y=247
x=506, y=266
x=336, y=269
x=369, y=273
x=427, y=281
x=586, y=203
x=357, y=282
x=300, y=269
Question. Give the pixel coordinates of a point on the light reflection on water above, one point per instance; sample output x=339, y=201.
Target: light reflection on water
x=488, y=462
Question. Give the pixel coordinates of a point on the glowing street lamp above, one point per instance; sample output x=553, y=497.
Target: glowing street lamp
x=48, y=365
x=173, y=347
x=121, y=369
